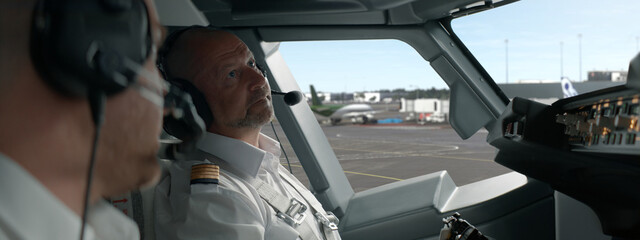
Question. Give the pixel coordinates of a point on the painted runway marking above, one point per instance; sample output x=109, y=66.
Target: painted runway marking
x=463, y=158
x=363, y=141
x=358, y=173
x=413, y=128
x=373, y=175
x=367, y=153
x=365, y=149
x=409, y=153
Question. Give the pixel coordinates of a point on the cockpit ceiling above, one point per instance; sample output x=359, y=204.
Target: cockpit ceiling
x=241, y=13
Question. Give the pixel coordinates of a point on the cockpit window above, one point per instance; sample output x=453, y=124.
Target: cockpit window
x=365, y=102
x=547, y=50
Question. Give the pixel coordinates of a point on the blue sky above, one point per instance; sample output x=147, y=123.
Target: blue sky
x=534, y=28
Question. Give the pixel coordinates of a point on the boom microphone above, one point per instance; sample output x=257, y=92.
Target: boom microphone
x=290, y=98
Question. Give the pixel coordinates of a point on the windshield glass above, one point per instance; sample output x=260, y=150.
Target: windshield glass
x=530, y=46
x=366, y=93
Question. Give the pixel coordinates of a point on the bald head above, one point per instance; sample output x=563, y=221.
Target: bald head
x=223, y=68
x=189, y=57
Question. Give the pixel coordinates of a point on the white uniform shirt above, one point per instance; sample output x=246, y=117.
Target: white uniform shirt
x=30, y=211
x=233, y=208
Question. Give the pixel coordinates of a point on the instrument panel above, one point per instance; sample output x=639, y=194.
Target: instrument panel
x=608, y=125
x=586, y=147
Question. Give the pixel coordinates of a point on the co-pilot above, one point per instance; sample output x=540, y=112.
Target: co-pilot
x=254, y=197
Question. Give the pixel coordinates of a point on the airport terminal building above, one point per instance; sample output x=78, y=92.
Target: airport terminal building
x=550, y=91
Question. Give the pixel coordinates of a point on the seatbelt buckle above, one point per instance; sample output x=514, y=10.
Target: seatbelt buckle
x=328, y=220
x=295, y=214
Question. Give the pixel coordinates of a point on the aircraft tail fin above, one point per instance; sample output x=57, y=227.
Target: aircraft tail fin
x=567, y=88
x=314, y=97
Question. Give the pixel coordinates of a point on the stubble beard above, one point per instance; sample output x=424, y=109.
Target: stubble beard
x=254, y=121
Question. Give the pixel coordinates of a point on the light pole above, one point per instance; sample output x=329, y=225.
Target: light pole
x=417, y=92
x=561, y=62
x=506, y=58
x=580, y=57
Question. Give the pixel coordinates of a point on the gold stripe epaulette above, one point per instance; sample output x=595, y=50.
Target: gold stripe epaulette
x=205, y=173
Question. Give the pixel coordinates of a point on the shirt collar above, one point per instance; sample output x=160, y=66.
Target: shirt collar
x=238, y=154
x=29, y=208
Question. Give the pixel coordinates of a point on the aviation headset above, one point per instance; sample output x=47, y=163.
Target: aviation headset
x=80, y=46
x=90, y=49
x=176, y=128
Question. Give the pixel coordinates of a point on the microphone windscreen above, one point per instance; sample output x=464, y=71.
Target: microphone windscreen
x=292, y=98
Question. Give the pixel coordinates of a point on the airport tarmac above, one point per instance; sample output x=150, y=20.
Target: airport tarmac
x=374, y=155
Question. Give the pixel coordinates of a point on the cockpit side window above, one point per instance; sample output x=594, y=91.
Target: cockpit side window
x=546, y=50
x=363, y=94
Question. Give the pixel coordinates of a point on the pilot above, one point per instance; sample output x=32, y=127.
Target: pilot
x=247, y=194
x=50, y=113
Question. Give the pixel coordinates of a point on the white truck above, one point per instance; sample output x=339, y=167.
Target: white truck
x=427, y=109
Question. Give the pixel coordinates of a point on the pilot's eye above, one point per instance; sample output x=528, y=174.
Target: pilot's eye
x=251, y=63
x=232, y=74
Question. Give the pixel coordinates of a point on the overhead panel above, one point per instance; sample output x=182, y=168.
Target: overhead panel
x=252, y=13
x=248, y=9
x=179, y=13
x=226, y=19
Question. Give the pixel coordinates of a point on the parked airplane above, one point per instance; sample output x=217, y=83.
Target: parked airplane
x=336, y=112
x=567, y=88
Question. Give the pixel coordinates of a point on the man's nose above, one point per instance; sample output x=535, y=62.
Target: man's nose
x=257, y=80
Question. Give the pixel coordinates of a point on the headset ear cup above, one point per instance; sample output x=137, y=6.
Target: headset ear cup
x=183, y=122
x=201, y=105
x=77, y=53
x=199, y=101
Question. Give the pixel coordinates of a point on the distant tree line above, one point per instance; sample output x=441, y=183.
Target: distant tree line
x=396, y=94
x=420, y=93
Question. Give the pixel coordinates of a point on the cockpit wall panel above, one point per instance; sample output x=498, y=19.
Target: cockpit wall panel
x=412, y=209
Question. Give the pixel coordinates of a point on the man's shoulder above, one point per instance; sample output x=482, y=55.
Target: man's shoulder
x=179, y=175
x=220, y=208
x=176, y=195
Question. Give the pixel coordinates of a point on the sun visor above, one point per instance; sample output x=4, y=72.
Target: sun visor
x=467, y=112
x=179, y=13
x=251, y=9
